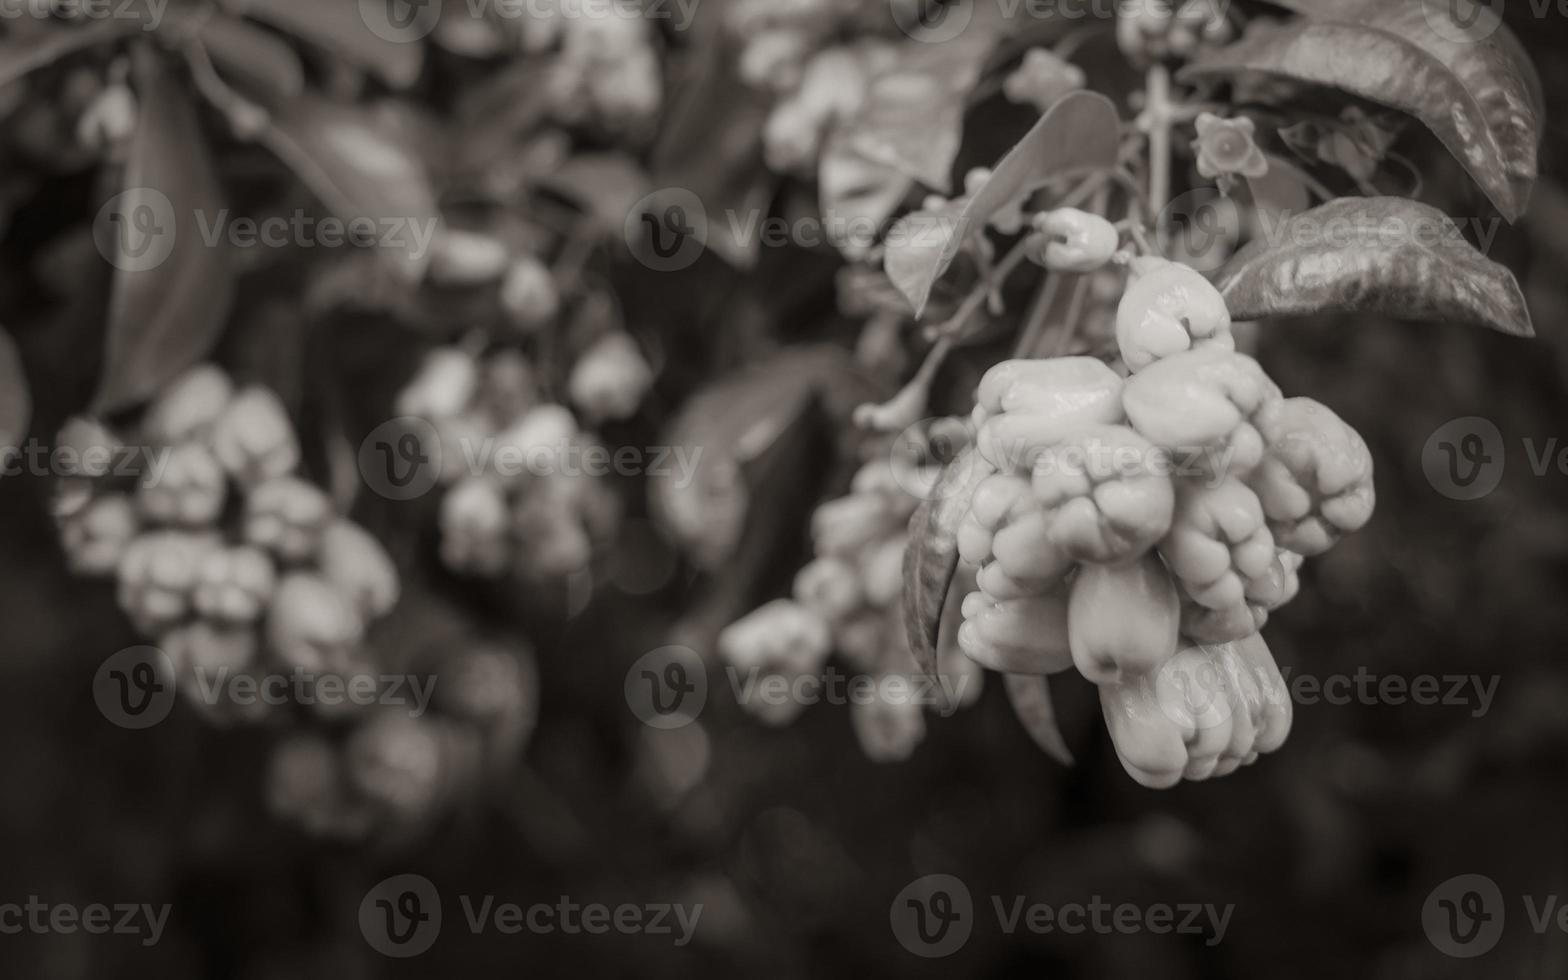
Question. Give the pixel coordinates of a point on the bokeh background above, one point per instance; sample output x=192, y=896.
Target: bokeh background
x=791, y=839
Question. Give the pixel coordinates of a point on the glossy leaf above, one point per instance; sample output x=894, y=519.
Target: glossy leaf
x=1030, y=696
x=1079, y=134
x=16, y=403
x=360, y=170
x=1384, y=65
x=931, y=558
x=256, y=60
x=1386, y=255
x=338, y=28
x=170, y=296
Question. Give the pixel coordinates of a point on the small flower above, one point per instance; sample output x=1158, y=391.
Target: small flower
x=288, y=517
x=359, y=567
x=96, y=535
x=845, y=525
x=311, y=625
x=783, y=639
x=190, y=489
x=254, y=439
x=611, y=378
x=109, y=119
x=396, y=762
x=774, y=59
x=536, y=444
x=1041, y=79
x=791, y=138
x=830, y=587
x=473, y=522
x=235, y=584
x=1225, y=147
x=529, y=295
x=888, y=731
x=187, y=409
x=442, y=387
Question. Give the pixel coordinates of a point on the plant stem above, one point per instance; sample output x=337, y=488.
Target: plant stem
x=1034, y=324
x=1158, y=108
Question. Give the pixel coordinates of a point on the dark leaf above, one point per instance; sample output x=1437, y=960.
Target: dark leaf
x=1385, y=255
x=360, y=170
x=1385, y=66
x=1030, y=695
x=931, y=558
x=26, y=53
x=604, y=185
x=16, y=403
x=253, y=59
x=172, y=286
x=340, y=28
x=734, y=423
x=1079, y=134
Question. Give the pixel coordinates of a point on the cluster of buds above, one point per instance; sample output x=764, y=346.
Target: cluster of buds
x=224, y=557
x=607, y=71
x=526, y=289
x=1141, y=529
x=831, y=87
x=520, y=495
x=1153, y=30
x=395, y=773
x=778, y=39
x=848, y=598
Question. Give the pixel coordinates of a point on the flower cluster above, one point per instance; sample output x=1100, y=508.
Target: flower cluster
x=607, y=70
x=224, y=556
x=391, y=776
x=1152, y=30
x=1142, y=529
x=848, y=599
x=517, y=496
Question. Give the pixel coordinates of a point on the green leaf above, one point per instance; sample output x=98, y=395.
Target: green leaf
x=172, y=289
x=16, y=403
x=1079, y=134
x=1472, y=101
x=360, y=170
x=931, y=558
x=1385, y=255
x=1030, y=696
x=337, y=27
x=256, y=61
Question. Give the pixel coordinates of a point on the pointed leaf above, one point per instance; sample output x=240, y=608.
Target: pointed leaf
x=360, y=170
x=16, y=403
x=256, y=60
x=1386, y=255
x=1030, y=695
x=172, y=288
x=1392, y=70
x=1079, y=134
x=931, y=558
x=342, y=27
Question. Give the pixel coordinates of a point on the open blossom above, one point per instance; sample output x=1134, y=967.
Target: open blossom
x=1225, y=147
x=254, y=439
